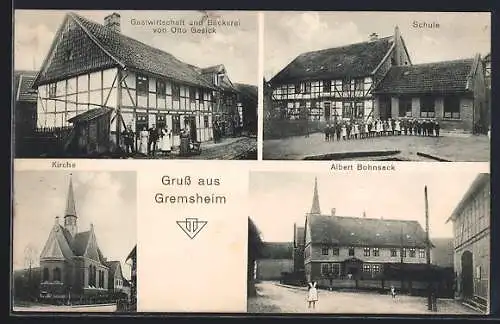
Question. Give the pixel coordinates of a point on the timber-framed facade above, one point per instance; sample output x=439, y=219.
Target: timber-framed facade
x=91, y=66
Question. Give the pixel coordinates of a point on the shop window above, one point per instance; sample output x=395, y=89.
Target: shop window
x=142, y=85
x=451, y=109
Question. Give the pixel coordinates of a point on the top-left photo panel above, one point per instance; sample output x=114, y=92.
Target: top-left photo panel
x=135, y=84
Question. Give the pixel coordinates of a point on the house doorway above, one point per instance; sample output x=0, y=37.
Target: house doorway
x=467, y=275
x=191, y=122
x=384, y=108
x=352, y=267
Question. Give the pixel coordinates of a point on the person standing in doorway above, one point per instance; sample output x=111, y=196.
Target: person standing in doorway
x=143, y=141
x=312, y=295
x=152, y=139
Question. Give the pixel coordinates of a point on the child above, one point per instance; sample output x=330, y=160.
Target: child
x=393, y=292
x=312, y=295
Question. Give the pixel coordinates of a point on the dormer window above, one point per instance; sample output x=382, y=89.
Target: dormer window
x=69, y=55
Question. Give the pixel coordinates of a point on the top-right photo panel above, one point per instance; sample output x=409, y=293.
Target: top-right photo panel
x=377, y=86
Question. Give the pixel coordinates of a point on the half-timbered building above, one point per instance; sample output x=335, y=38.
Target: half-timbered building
x=91, y=66
x=336, y=82
x=471, y=233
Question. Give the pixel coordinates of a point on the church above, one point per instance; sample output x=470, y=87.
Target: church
x=72, y=263
x=334, y=247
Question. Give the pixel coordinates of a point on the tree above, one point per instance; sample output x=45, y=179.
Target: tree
x=30, y=258
x=254, y=252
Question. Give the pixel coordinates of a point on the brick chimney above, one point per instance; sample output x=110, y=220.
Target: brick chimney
x=334, y=212
x=373, y=36
x=113, y=22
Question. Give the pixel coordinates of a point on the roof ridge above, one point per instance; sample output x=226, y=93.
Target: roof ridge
x=346, y=45
x=471, y=59
x=369, y=218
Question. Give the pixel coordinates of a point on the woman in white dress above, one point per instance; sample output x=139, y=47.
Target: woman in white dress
x=356, y=130
x=397, y=127
x=344, y=131
x=143, y=141
x=389, y=127
x=366, y=130
x=165, y=140
x=378, y=127
x=312, y=295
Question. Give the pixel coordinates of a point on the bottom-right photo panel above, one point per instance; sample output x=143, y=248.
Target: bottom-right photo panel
x=400, y=243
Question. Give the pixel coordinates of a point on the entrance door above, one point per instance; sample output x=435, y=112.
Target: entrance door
x=327, y=111
x=467, y=274
x=385, y=108
x=191, y=121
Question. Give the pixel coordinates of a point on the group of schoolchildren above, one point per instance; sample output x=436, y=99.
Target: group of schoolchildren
x=358, y=129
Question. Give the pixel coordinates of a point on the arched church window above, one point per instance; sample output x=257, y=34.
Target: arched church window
x=91, y=275
x=95, y=277
x=45, y=274
x=57, y=274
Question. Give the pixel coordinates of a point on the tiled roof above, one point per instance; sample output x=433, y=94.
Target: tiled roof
x=355, y=60
x=135, y=55
x=90, y=115
x=132, y=253
x=277, y=250
x=80, y=243
x=64, y=239
x=209, y=72
x=356, y=231
x=22, y=86
x=112, y=265
x=439, y=77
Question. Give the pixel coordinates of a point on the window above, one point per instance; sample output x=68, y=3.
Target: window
x=376, y=267
x=360, y=109
x=45, y=274
x=307, y=87
x=359, y=84
x=325, y=268
x=421, y=253
x=52, y=90
x=161, y=91
x=346, y=85
x=57, y=274
x=346, y=110
x=427, y=107
x=451, y=108
x=69, y=55
x=176, y=125
x=324, y=250
x=405, y=107
x=367, y=268
x=192, y=94
x=176, y=92
x=351, y=251
x=205, y=121
x=297, y=88
x=91, y=275
x=366, y=251
x=413, y=253
x=327, y=85
x=335, y=251
x=142, y=85
x=376, y=252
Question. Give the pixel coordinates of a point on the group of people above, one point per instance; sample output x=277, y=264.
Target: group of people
x=354, y=129
x=150, y=141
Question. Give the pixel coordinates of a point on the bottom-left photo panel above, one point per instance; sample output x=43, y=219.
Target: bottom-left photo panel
x=74, y=241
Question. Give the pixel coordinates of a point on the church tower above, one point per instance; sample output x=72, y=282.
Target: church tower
x=70, y=218
x=315, y=210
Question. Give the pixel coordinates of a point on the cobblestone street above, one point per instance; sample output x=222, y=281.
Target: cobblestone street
x=275, y=298
x=456, y=148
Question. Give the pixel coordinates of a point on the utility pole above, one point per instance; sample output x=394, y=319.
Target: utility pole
x=428, y=251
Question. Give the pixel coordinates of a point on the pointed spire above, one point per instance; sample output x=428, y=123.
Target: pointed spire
x=70, y=202
x=315, y=204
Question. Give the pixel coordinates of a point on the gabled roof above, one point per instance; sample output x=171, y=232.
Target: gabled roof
x=209, y=72
x=355, y=231
x=441, y=77
x=355, y=60
x=90, y=114
x=113, y=267
x=22, y=86
x=80, y=243
x=132, y=254
x=133, y=54
x=58, y=245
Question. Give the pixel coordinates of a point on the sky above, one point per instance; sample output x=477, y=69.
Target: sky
x=105, y=199
x=235, y=47
x=288, y=34
x=279, y=199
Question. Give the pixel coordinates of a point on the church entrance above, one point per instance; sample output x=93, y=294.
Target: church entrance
x=467, y=274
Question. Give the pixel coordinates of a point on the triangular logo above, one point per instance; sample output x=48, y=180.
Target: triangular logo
x=191, y=226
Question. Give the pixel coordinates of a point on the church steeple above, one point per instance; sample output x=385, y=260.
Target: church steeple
x=70, y=218
x=315, y=210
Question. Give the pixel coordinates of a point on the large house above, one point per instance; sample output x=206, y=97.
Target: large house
x=377, y=79
x=340, y=247
x=471, y=228
x=91, y=66
x=71, y=261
